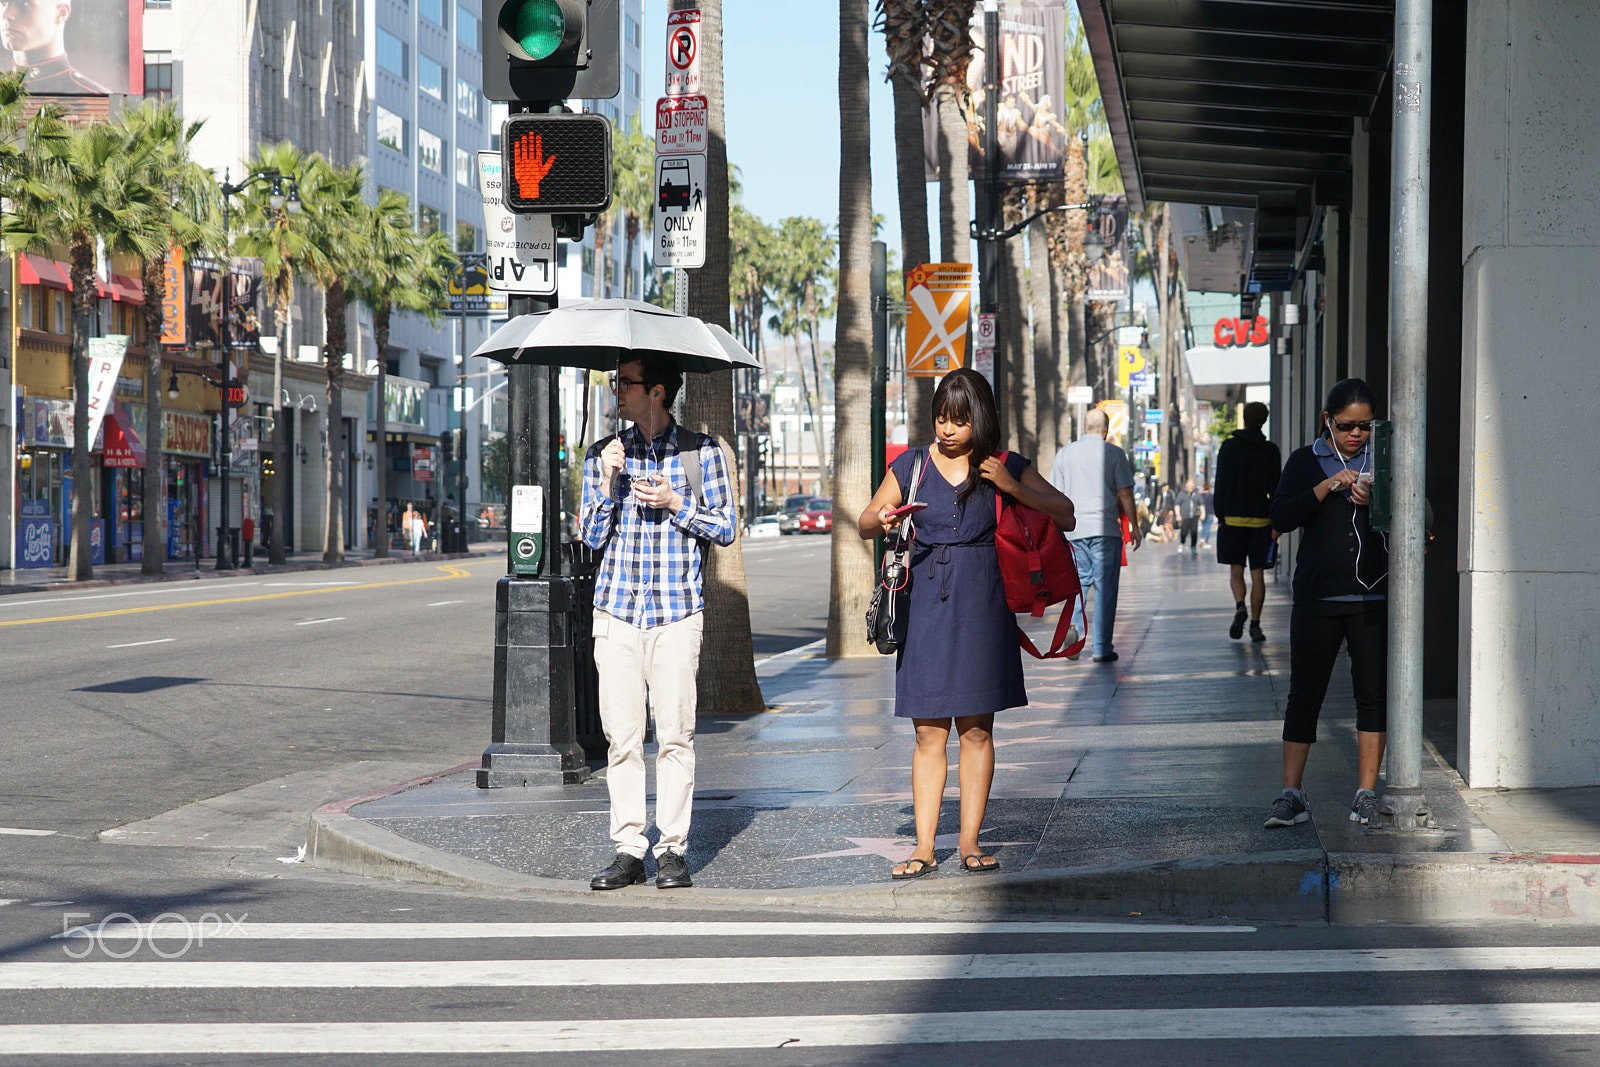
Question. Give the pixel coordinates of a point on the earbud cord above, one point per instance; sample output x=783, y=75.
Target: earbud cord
x=1368, y=586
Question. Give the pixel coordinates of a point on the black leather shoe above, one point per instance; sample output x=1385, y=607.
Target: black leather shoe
x=1109, y=657
x=672, y=871
x=624, y=870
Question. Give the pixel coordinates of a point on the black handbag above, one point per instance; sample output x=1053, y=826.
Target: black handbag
x=890, y=610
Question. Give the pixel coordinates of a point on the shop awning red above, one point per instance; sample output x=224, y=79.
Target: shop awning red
x=123, y=448
x=126, y=289
x=37, y=270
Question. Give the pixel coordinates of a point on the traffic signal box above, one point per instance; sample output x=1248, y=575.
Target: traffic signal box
x=542, y=51
x=556, y=164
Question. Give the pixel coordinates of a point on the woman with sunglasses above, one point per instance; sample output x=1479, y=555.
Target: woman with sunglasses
x=1340, y=586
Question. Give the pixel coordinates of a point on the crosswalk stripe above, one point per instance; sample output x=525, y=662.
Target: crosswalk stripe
x=177, y=930
x=753, y=970
x=816, y=1031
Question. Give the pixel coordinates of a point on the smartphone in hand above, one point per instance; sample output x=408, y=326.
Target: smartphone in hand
x=905, y=509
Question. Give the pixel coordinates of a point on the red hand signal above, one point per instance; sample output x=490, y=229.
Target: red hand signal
x=529, y=166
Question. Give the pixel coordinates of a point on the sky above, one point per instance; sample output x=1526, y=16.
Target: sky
x=781, y=73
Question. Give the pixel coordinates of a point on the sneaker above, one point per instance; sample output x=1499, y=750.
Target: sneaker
x=1240, y=617
x=1072, y=638
x=1288, y=810
x=1364, y=809
x=1255, y=632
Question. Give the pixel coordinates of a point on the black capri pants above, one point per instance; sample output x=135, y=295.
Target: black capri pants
x=1315, y=634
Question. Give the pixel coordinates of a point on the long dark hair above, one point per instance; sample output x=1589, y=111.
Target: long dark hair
x=964, y=396
x=1343, y=394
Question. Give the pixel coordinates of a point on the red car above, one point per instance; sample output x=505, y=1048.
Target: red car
x=817, y=517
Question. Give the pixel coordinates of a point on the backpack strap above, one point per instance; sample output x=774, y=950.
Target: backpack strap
x=689, y=445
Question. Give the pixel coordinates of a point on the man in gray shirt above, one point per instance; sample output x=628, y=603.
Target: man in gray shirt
x=1096, y=476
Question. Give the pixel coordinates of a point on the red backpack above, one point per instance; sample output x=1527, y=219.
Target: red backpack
x=1038, y=570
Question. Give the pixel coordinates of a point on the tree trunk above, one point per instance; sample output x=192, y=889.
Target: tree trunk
x=155, y=547
x=1019, y=414
x=83, y=295
x=380, y=433
x=333, y=359
x=912, y=185
x=817, y=422
x=1047, y=391
x=727, y=678
x=281, y=413
x=815, y=415
x=854, y=480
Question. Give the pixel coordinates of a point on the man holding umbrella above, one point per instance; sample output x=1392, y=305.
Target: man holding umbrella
x=644, y=510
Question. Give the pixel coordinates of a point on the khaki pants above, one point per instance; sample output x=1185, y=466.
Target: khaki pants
x=659, y=663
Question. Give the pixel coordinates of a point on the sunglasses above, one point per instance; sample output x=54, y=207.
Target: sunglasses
x=1364, y=425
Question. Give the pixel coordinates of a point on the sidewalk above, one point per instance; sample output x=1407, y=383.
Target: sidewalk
x=1138, y=787
x=44, y=579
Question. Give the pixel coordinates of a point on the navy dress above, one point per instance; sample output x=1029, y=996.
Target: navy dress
x=960, y=655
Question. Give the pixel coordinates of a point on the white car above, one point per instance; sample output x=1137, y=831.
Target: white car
x=764, y=526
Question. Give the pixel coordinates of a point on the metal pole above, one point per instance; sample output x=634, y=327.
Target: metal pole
x=989, y=199
x=223, y=445
x=879, y=286
x=460, y=539
x=1408, y=374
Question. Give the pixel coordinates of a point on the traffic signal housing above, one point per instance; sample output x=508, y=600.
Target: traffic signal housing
x=542, y=51
x=555, y=164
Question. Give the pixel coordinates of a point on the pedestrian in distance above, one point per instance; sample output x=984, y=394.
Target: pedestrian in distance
x=1096, y=476
x=1169, y=510
x=1341, y=575
x=1187, y=507
x=1207, y=514
x=1248, y=467
x=960, y=662
x=411, y=523
x=644, y=510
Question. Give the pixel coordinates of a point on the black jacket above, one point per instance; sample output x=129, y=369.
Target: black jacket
x=1248, y=466
x=1334, y=531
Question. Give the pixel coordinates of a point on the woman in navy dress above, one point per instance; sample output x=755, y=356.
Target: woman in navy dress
x=960, y=661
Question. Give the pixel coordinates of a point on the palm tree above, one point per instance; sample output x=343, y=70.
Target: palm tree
x=949, y=29
x=190, y=222
x=727, y=679
x=281, y=243
x=904, y=23
x=854, y=480
x=633, y=168
x=88, y=190
x=335, y=254
x=807, y=253
x=402, y=269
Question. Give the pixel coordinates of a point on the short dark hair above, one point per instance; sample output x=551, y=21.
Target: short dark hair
x=1255, y=415
x=966, y=397
x=1350, y=391
x=659, y=370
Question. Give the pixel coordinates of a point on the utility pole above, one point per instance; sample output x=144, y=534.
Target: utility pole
x=989, y=197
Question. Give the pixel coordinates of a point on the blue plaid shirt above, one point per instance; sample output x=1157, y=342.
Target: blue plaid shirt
x=651, y=574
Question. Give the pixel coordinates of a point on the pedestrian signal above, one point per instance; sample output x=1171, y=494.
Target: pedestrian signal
x=556, y=164
x=543, y=51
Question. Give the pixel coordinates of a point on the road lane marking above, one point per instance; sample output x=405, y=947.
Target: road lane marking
x=136, y=644
x=318, y=622
x=433, y=931
x=453, y=571
x=10, y=602
x=442, y=603
x=20, y=832
x=464, y=1039
x=303, y=585
x=777, y=970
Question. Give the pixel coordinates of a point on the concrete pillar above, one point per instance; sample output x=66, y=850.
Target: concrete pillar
x=1529, y=711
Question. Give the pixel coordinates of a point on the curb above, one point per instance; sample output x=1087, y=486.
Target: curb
x=1463, y=887
x=1286, y=886
x=241, y=572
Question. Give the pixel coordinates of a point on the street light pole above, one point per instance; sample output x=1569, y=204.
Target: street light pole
x=989, y=199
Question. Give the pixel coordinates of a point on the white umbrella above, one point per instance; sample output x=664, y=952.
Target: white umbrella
x=601, y=334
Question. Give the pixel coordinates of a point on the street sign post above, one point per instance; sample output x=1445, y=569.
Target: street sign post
x=683, y=52
x=983, y=347
x=468, y=289
x=682, y=123
x=520, y=249
x=680, y=230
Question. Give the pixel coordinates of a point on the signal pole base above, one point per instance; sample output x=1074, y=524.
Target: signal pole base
x=1407, y=809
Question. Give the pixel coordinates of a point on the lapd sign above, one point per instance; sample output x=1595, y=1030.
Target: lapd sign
x=680, y=230
x=521, y=249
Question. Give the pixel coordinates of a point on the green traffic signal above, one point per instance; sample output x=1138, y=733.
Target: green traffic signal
x=542, y=28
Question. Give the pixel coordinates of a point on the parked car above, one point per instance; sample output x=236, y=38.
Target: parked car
x=817, y=517
x=788, y=522
x=765, y=526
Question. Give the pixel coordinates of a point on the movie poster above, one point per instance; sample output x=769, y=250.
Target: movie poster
x=74, y=47
x=1108, y=222
x=230, y=309
x=1030, y=134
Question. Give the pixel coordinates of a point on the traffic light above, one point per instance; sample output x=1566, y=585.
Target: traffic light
x=556, y=164
x=447, y=447
x=544, y=51
x=561, y=449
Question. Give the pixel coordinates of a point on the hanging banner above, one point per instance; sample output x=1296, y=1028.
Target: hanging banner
x=1108, y=222
x=939, y=298
x=105, y=360
x=225, y=310
x=174, y=325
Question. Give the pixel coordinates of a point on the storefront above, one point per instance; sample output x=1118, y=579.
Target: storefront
x=187, y=448
x=44, y=486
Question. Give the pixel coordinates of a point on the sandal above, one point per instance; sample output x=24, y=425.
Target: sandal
x=973, y=864
x=927, y=867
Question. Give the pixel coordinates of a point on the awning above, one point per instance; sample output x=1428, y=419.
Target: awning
x=126, y=289
x=37, y=270
x=123, y=448
x=1218, y=372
